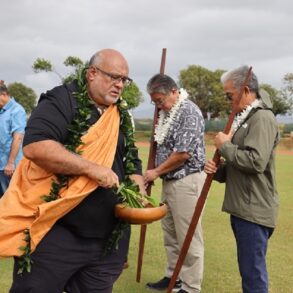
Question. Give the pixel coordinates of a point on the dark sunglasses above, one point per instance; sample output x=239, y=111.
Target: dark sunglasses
x=229, y=96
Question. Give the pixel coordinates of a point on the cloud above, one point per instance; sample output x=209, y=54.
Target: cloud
x=214, y=34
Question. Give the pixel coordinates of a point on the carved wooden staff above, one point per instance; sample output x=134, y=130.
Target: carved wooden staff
x=151, y=165
x=204, y=193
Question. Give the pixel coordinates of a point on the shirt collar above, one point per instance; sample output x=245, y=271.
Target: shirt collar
x=7, y=105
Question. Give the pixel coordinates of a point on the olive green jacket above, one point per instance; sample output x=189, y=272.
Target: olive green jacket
x=249, y=168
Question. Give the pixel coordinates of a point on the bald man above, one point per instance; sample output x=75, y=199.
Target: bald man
x=70, y=256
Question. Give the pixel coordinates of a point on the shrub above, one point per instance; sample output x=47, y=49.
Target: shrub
x=215, y=125
x=288, y=128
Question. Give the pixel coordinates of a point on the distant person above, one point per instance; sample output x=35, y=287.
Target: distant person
x=12, y=125
x=249, y=173
x=180, y=160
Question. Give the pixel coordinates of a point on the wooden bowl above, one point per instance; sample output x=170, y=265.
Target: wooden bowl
x=140, y=215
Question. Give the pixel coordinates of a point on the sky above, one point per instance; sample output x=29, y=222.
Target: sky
x=218, y=34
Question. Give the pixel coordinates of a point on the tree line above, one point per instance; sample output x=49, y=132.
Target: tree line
x=202, y=84
x=205, y=89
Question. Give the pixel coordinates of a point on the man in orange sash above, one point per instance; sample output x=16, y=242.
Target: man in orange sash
x=68, y=234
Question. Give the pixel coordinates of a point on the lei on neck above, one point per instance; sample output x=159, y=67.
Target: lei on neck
x=241, y=116
x=77, y=129
x=166, y=118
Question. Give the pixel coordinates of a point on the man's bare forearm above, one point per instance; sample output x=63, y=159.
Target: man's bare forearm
x=14, y=149
x=173, y=162
x=54, y=157
x=15, y=146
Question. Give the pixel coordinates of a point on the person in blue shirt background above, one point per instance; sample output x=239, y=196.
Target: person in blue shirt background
x=12, y=126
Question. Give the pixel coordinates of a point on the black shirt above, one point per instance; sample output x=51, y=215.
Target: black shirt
x=94, y=216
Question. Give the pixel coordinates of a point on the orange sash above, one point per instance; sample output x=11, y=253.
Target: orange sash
x=21, y=207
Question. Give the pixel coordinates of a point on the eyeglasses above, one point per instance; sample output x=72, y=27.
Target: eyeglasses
x=116, y=78
x=160, y=102
x=229, y=96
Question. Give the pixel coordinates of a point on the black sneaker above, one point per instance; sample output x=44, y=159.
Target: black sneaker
x=163, y=285
x=182, y=291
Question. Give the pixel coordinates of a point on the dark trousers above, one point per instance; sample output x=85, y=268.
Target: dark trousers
x=65, y=262
x=4, y=182
x=252, y=240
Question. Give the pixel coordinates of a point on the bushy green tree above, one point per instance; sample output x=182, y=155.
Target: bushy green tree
x=76, y=64
x=287, y=91
x=24, y=95
x=280, y=105
x=205, y=89
x=132, y=95
x=44, y=65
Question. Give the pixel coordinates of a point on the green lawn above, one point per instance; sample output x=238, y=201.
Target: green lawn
x=221, y=272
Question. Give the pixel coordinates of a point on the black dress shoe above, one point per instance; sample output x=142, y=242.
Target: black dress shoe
x=163, y=285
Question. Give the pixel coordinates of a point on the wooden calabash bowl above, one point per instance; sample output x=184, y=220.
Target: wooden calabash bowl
x=140, y=216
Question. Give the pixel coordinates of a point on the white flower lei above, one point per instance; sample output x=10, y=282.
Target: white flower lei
x=240, y=117
x=166, y=118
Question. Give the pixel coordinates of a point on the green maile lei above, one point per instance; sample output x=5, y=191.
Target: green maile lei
x=128, y=191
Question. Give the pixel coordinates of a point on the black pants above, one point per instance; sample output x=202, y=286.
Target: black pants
x=4, y=182
x=64, y=262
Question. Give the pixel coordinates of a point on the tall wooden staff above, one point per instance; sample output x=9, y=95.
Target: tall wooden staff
x=204, y=193
x=151, y=165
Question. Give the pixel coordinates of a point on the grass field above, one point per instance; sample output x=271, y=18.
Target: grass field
x=221, y=272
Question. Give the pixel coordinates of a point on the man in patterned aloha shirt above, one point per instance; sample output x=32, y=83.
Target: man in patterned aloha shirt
x=180, y=159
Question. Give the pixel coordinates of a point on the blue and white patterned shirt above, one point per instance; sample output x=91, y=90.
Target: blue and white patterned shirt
x=12, y=119
x=186, y=134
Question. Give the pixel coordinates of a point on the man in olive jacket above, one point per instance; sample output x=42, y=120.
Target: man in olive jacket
x=249, y=172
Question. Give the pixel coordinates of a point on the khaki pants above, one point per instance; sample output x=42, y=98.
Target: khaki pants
x=181, y=196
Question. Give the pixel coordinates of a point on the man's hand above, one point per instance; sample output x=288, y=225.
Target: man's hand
x=104, y=176
x=210, y=167
x=150, y=176
x=9, y=169
x=221, y=138
x=138, y=179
